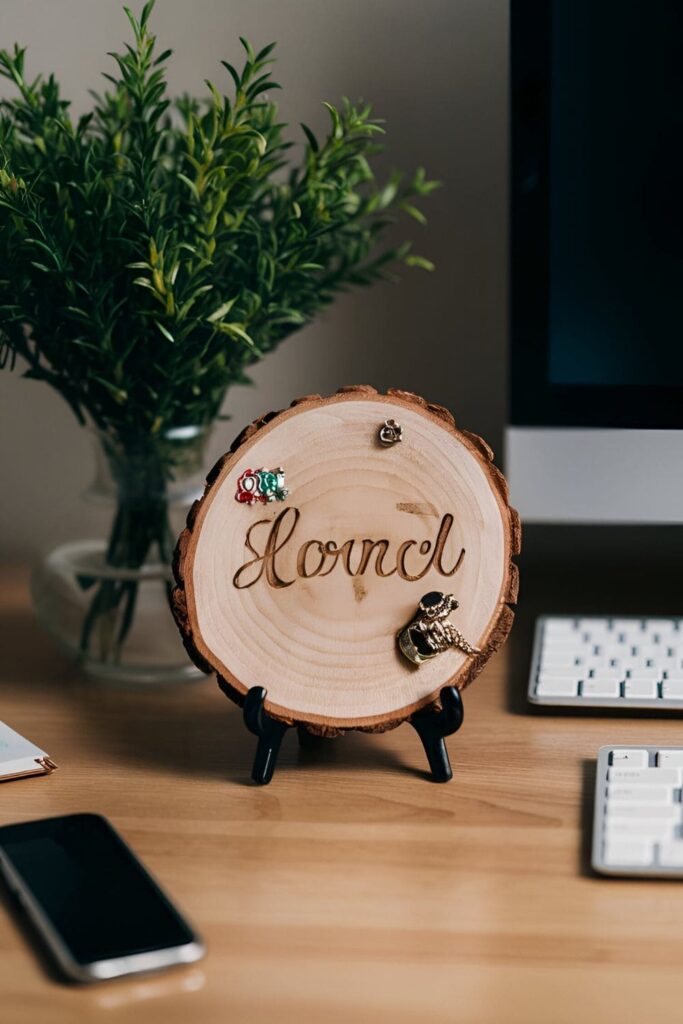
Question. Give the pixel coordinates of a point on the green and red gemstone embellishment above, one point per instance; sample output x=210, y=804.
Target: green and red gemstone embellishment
x=261, y=485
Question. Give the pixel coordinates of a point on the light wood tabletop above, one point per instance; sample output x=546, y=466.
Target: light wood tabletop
x=351, y=889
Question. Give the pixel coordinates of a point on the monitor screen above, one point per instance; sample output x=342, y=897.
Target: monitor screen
x=616, y=193
x=597, y=218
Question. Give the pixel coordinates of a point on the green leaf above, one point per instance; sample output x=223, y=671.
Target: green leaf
x=419, y=261
x=133, y=23
x=312, y=141
x=146, y=11
x=264, y=84
x=219, y=313
x=118, y=394
x=248, y=48
x=233, y=74
x=413, y=212
x=165, y=331
x=236, y=331
x=190, y=184
x=265, y=52
x=337, y=130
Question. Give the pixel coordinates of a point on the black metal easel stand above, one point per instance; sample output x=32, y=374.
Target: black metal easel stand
x=431, y=726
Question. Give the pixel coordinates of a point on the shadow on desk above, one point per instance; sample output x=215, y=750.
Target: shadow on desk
x=28, y=657
x=202, y=734
x=588, y=768
x=188, y=729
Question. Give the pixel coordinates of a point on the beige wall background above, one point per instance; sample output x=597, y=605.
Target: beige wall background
x=437, y=71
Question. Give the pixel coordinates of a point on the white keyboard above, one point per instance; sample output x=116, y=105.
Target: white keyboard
x=608, y=663
x=638, y=816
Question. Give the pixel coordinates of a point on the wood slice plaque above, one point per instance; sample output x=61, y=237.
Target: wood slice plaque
x=304, y=594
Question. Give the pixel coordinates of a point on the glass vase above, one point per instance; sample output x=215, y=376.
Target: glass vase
x=107, y=601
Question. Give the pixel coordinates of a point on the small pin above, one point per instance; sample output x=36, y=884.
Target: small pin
x=431, y=632
x=390, y=433
x=262, y=485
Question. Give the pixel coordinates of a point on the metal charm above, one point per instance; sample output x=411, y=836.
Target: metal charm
x=390, y=432
x=261, y=485
x=430, y=632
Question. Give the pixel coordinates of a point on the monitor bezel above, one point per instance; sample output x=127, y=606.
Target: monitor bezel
x=533, y=399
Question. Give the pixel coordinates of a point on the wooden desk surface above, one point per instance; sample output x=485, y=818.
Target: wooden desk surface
x=350, y=889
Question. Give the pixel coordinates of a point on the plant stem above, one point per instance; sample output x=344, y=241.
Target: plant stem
x=140, y=530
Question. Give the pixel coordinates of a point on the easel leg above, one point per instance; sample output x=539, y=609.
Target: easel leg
x=269, y=731
x=432, y=726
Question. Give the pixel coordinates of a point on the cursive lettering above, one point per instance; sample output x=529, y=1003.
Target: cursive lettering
x=320, y=558
x=267, y=559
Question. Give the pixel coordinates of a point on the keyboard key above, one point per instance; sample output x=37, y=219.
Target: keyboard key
x=670, y=758
x=636, y=813
x=608, y=673
x=629, y=757
x=552, y=661
x=551, y=686
x=560, y=672
x=645, y=674
x=665, y=633
x=613, y=650
x=671, y=854
x=644, y=688
x=626, y=757
x=593, y=622
x=562, y=650
x=557, y=628
x=600, y=688
x=627, y=625
x=620, y=793
x=595, y=637
x=646, y=650
x=648, y=666
x=594, y=666
x=620, y=828
x=647, y=776
x=638, y=852
x=672, y=690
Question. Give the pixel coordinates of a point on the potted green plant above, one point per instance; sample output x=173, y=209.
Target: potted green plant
x=150, y=251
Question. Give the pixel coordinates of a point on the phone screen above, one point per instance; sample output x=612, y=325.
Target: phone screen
x=94, y=892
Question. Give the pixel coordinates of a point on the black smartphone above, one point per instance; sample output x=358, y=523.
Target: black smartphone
x=96, y=907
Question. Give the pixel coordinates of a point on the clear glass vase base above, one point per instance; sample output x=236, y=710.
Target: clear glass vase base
x=129, y=675
x=115, y=622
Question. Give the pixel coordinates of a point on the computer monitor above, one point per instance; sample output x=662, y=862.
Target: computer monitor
x=595, y=426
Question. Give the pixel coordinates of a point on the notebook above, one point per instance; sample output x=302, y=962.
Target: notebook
x=20, y=758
